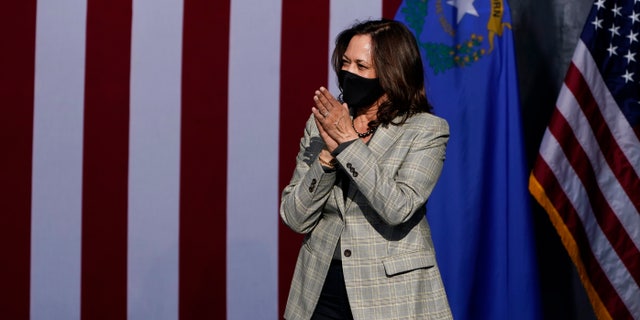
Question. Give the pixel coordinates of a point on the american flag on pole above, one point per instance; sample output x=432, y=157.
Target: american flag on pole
x=144, y=146
x=587, y=172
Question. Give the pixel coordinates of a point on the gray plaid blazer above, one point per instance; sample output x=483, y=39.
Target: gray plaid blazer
x=388, y=257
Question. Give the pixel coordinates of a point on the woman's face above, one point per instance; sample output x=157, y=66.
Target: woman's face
x=357, y=59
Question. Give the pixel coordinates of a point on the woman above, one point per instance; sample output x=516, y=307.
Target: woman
x=363, y=175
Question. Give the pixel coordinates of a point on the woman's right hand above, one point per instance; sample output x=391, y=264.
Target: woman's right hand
x=333, y=119
x=328, y=141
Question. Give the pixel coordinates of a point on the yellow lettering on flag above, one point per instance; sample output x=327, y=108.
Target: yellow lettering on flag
x=495, y=26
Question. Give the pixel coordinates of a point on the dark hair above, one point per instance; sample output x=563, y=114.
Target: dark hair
x=398, y=65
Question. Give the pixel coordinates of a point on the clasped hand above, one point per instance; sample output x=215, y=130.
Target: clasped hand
x=332, y=119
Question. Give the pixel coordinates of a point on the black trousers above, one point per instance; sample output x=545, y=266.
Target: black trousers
x=333, y=303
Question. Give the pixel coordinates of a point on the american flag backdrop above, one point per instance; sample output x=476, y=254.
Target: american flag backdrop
x=587, y=172
x=144, y=147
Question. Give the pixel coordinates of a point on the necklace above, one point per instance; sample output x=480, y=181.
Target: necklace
x=364, y=134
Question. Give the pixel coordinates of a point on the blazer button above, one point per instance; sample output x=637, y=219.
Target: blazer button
x=347, y=253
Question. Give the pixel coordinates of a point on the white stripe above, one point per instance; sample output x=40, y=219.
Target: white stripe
x=57, y=160
x=614, y=269
x=616, y=121
x=343, y=14
x=611, y=188
x=252, y=173
x=154, y=160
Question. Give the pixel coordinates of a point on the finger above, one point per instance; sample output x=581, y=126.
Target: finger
x=321, y=107
x=319, y=115
x=322, y=131
x=321, y=102
x=326, y=99
x=316, y=112
x=329, y=142
x=327, y=95
x=319, y=125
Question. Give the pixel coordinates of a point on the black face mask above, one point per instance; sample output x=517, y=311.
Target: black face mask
x=357, y=91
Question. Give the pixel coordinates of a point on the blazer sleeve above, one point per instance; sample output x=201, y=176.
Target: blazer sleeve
x=395, y=192
x=304, y=197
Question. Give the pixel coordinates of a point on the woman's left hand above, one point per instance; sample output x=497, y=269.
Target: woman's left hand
x=332, y=119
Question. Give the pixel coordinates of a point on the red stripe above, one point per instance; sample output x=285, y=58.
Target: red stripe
x=390, y=7
x=203, y=164
x=17, y=30
x=620, y=165
x=570, y=217
x=305, y=42
x=603, y=213
x=105, y=162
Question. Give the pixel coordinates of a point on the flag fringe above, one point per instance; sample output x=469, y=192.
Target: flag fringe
x=570, y=245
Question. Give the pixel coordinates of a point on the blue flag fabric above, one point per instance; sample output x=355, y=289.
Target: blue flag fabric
x=479, y=212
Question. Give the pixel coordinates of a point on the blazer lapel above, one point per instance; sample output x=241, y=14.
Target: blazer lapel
x=338, y=197
x=383, y=139
x=379, y=144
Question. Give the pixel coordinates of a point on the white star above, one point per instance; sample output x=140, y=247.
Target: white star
x=628, y=76
x=597, y=23
x=614, y=30
x=464, y=7
x=616, y=10
x=612, y=50
x=633, y=36
x=635, y=17
x=630, y=56
x=600, y=4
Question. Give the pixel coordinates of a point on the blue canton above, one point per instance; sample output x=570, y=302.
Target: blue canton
x=612, y=35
